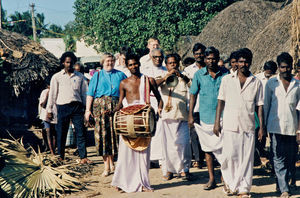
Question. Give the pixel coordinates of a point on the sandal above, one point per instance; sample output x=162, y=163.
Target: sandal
x=86, y=161
x=210, y=186
x=186, y=176
x=105, y=173
x=167, y=177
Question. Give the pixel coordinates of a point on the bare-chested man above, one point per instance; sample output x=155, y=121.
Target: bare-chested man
x=132, y=171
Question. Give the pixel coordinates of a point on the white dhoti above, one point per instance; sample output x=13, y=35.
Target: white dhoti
x=132, y=170
x=156, y=152
x=176, y=149
x=238, y=156
x=208, y=140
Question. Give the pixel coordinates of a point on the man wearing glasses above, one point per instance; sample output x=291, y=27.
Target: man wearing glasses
x=156, y=71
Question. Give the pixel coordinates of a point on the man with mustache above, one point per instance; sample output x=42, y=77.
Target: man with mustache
x=240, y=94
x=282, y=95
x=198, y=52
x=206, y=84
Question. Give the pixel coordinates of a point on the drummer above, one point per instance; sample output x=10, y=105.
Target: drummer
x=132, y=170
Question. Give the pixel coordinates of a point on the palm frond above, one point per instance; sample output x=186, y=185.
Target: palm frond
x=26, y=173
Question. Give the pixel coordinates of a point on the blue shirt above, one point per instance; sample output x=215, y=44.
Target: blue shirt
x=108, y=83
x=208, y=89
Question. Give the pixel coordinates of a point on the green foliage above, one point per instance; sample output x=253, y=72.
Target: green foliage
x=113, y=23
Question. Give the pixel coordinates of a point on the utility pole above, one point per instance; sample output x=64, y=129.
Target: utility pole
x=0, y=15
x=33, y=21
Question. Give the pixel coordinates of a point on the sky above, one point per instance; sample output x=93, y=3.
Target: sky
x=59, y=12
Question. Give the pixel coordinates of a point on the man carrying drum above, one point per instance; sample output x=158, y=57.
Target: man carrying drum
x=132, y=170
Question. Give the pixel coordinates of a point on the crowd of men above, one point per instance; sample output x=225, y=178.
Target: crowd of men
x=213, y=112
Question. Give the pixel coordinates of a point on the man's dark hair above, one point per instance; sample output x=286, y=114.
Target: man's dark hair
x=212, y=50
x=68, y=54
x=270, y=65
x=175, y=55
x=232, y=56
x=285, y=57
x=188, y=61
x=198, y=46
x=132, y=57
x=244, y=53
x=125, y=50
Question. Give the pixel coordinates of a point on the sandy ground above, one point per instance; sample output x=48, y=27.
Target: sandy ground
x=97, y=186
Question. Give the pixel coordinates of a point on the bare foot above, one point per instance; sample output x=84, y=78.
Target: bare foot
x=147, y=190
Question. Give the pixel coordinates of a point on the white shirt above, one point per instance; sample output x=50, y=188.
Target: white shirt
x=154, y=72
x=263, y=79
x=190, y=71
x=65, y=88
x=43, y=112
x=280, y=106
x=240, y=102
x=145, y=61
x=123, y=69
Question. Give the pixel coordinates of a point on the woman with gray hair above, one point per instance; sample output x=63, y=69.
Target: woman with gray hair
x=103, y=92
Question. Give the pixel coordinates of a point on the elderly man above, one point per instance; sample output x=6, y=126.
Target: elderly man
x=153, y=43
x=198, y=52
x=156, y=71
x=240, y=94
x=282, y=105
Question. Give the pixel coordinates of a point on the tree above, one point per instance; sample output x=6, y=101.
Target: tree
x=113, y=23
x=24, y=27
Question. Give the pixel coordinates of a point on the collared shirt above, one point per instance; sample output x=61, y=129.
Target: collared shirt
x=146, y=61
x=108, y=83
x=154, y=72
x=190, y=71
x=123, y=69
x=65, y=88
x=261, y=76
x=240, y=102
x=179, y=101
x=280, y=106
x=208, y=88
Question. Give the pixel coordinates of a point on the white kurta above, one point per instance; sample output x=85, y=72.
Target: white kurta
x=176, y=149
x=208, y=140
x=238, y=160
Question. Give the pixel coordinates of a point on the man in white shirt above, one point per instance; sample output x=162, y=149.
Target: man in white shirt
x=156, y=71
x=120, y=62
x=282, y=105
x=270, y=68
x=198, y=52
x=153, y=43
x=68, y=91
x=239, y=95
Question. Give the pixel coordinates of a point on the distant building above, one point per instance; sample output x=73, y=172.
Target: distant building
x=56, y=46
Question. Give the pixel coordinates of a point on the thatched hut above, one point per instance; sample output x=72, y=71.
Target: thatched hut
x=262, y=26
x=22, y=79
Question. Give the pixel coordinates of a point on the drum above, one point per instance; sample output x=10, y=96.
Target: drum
x=135, y=121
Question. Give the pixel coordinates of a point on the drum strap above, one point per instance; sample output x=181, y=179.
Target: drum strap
x=147, y=91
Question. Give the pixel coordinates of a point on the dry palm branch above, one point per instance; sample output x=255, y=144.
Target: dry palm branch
x=30, y=174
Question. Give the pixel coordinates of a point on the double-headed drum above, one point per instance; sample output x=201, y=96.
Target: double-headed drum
x=135, y=121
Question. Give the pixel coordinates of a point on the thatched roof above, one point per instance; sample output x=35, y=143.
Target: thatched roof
x=30, y=62
x=262, y=26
